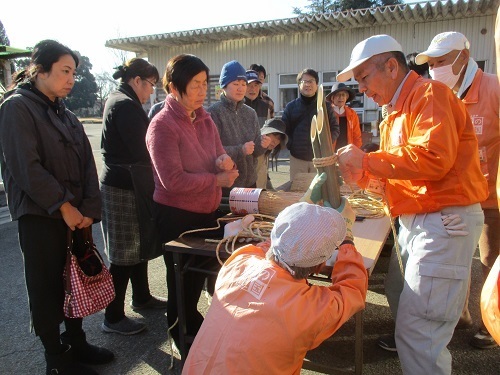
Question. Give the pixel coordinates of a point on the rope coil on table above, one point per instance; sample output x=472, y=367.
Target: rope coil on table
x=259, y=229
x=370, y=206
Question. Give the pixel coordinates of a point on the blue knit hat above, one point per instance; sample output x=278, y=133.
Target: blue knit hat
x=232, y=71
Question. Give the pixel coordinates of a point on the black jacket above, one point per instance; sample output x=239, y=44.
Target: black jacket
x=260, y=107
x=123, y=141
x=46, y=158
x=297, y=117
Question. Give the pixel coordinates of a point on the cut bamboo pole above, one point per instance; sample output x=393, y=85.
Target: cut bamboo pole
x=317, y=150
x=326, y=150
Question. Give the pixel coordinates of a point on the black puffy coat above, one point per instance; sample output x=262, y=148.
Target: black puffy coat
x=297, y=117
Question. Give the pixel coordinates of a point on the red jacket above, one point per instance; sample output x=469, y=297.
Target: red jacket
x=425, y=151
x=482, y=102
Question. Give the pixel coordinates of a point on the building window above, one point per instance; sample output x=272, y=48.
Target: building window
x=288, y=90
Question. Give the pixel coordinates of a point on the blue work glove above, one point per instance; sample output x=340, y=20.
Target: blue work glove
x=313, y=194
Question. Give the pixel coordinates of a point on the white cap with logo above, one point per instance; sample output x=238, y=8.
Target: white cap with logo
x=442, y=44
x=366, y=49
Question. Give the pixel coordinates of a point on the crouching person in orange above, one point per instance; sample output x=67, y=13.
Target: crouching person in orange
x=264, y=304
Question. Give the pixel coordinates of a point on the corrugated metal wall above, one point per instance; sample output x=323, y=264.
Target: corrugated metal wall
x=327, y=51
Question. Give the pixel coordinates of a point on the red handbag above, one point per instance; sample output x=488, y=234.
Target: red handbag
x=88, y=283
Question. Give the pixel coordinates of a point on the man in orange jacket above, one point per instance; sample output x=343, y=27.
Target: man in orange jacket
x=433, y=184
x=264, y=315
x=450, y=62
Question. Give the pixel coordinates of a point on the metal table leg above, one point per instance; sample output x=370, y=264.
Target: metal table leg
x=358, y=346
x=181, y=310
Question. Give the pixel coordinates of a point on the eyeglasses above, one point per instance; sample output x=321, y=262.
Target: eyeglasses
x=151, y=83
x=308, y=82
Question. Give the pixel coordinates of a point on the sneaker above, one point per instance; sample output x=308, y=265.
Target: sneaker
x=126, y=326
x=152, y=303
x=483, y=340
x=388, y=343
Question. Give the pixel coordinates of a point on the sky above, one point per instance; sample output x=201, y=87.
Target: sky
x=85, y=26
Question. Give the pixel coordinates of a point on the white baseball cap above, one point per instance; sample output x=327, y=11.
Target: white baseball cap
x=442, y=44
x=366, y=49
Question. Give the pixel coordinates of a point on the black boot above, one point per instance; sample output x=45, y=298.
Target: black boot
x=64, y=364
x=85, y=352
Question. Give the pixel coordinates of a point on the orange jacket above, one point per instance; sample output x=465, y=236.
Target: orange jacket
x=482, y=102
x=425, y=151
x=263, y=321
x=353, y=127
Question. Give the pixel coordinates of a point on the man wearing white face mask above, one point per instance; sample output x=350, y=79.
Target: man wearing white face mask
x=449, y=61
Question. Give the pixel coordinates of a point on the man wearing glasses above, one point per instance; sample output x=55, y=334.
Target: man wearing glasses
x=297, y=116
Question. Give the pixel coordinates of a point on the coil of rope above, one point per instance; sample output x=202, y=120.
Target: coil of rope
x=366, y=205
x=258, y=230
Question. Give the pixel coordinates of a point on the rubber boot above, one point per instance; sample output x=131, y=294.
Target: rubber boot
x=86, y=353
x=64, y=364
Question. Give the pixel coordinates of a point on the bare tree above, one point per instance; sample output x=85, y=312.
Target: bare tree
x=323, y=6
x=105, y=85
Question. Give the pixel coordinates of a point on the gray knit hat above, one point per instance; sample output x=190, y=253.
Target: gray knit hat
x=305, y=235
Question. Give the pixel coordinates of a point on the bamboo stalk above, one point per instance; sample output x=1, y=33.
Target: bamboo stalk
x=317, y=150
x=326, y=150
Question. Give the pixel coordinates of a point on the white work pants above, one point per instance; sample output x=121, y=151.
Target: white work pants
x=437, y=268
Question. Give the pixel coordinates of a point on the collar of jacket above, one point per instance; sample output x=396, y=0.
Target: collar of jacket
x=129, y=91
x=309, y=99
x=231, y=104
x=57, y=106
x=180, y=112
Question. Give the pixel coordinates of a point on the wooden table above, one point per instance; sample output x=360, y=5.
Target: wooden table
x=369, y=238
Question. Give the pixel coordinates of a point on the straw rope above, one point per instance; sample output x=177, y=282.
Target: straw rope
x=369, y=206
x=258, y=230
x=366, y=205
x=325, y=161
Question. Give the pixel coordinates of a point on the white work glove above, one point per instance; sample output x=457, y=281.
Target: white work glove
x=348, y=214
x=313, y=194
x=453, y=225
x=235, y=227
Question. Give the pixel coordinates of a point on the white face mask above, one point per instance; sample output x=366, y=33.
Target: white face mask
x=445, y=74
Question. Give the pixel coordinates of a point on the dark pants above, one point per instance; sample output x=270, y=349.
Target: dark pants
x=43, y=244
x=138, y=276
x=172, y=222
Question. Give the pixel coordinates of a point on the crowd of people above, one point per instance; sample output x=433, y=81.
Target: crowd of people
x=166, y=172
